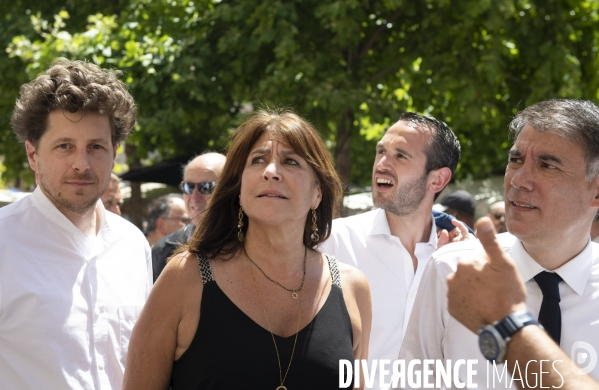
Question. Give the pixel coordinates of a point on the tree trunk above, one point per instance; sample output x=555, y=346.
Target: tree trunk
x=342, y=155
x=135, y=202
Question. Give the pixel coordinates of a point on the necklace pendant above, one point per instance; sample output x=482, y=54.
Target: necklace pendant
x=281, y=388
x=294, y=296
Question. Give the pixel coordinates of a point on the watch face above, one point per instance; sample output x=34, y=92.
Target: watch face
x=488, y=345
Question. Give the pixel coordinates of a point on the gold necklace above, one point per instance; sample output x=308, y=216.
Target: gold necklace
x=291, y=290
x=281, y=377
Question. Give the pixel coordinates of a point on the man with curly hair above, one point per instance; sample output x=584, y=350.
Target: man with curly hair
x=73, y=277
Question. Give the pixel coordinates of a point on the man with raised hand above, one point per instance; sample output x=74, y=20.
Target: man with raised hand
x=487, y=289
x=415, y=160
x=551, y=197
x=73, y=277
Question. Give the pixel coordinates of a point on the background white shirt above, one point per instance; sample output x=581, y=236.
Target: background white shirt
x=67, y=302
x=365, y=241
x=433, y=334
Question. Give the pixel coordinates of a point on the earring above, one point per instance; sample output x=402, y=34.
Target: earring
x=240, y=225
x=314, y=237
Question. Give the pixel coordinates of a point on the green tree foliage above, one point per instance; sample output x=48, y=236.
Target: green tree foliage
x=348, y=66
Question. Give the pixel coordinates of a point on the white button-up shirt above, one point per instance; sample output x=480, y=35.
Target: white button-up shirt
x=365, y=241
x=433, y=333
x=68, y=302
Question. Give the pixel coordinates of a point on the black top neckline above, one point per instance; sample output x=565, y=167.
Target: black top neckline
x=220, y=291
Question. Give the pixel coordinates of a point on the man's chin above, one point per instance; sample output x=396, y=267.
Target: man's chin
x=80, y=207
x=386, y=205
x=379, y=200
x=76, y=204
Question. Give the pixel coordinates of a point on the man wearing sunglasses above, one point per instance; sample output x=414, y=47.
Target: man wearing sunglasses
x=199, y=179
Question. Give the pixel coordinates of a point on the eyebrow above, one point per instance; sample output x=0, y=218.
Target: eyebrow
x=267, y=151
x=380, y=145
x=543, y=156
x=63, y=140
x=550, y=157
x=403, y=151
x=91, y=141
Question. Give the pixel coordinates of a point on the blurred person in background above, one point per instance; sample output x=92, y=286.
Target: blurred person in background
x=112, y=198
x=497, y=215
x=460, y=204
x=166, y=215
x=200, y=175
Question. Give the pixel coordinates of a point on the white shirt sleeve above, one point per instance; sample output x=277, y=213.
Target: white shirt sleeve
x=425, y=332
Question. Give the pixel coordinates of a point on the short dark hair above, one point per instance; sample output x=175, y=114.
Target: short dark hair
x=159, y=208
x=217, y=232
x=73, y=86
x=574, y=120
x=443, y=148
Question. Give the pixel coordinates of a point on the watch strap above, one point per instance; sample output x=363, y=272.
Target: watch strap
x=514, y=322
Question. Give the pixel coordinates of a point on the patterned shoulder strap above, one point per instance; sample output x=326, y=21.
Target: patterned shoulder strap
x=205, y=269
x=334, y=268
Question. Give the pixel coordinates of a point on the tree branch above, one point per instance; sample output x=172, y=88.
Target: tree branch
x=376, y=34
x=384, y=72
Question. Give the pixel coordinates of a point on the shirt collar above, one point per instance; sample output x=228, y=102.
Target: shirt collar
x=47, y=208
x=432, y=240
x=380, y=225
x=105, y=231
x=575, y=272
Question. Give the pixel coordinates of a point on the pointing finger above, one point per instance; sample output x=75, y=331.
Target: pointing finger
x=485, y=231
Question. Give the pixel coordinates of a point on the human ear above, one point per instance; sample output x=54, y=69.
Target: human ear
x=595, y=187
x=31, y=154
x=439, y=179
x=317, y=198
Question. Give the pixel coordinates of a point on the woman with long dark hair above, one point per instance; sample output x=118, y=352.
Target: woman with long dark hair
x=251, y=302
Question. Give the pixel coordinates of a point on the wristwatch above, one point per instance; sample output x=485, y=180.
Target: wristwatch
x=493, y=339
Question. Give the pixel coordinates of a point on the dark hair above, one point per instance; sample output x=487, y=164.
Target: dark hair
x=443, y=148
x=217, y=232
x=574, y=120
x=159, y=208
x=73, y=86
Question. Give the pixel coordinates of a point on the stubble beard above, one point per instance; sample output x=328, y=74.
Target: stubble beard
x=407, y=198
x=81, y=202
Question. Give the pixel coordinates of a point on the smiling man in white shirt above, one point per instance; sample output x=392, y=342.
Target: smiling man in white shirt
x=551, y=198
x=73, y=277
x=415, y=160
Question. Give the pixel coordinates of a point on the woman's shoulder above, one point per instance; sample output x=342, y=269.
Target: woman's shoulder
x=181, y=268
x=351, y=277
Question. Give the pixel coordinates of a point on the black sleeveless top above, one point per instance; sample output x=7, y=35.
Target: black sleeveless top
x=231, y=351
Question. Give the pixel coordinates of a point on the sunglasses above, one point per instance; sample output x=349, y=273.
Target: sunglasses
x=205, y=188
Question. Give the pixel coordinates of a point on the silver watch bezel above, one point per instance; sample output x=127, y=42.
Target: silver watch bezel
x=488, y=333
